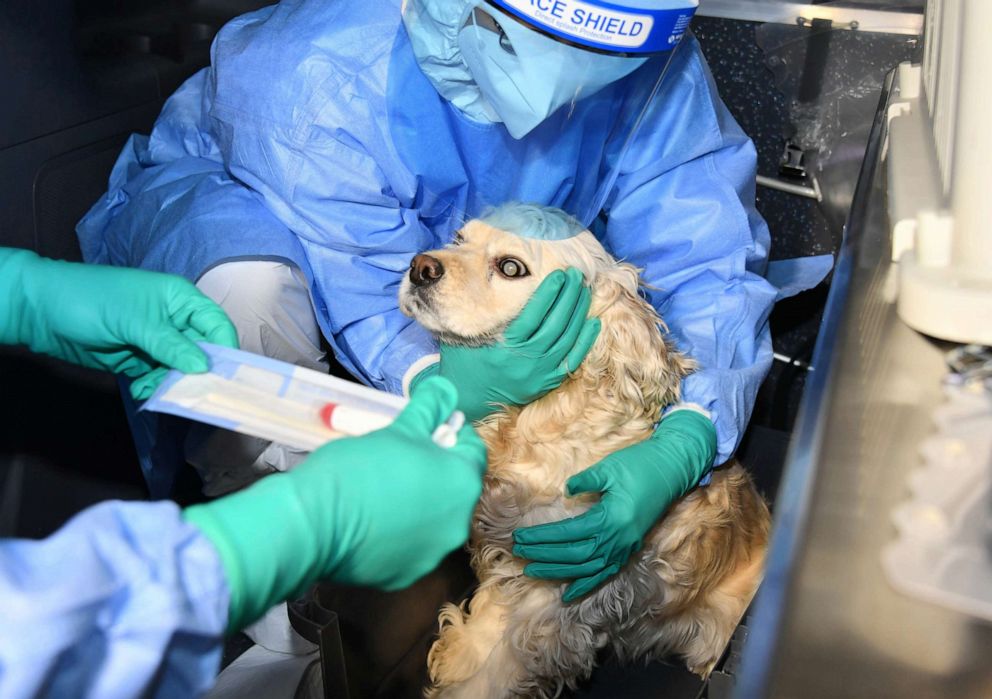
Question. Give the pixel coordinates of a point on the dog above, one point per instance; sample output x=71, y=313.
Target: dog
x=684, y=592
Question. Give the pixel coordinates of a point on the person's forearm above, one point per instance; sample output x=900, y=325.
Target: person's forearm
x=730, y=341
x=685, y=214
x=387, y=367
x=250, y=529
x=728, y=394
x=12, y=310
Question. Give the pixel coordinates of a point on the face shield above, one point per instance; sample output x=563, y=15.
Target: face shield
x=528, y=58
x=529, y=61
x=557, y=74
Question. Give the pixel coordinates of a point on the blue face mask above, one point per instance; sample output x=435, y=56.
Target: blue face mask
x=525, y=76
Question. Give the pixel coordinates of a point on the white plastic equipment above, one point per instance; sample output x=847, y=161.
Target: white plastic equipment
x=943, y=551
x=940, y=197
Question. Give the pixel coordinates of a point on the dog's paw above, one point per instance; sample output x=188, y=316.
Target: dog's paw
x=703, y=669
x=452, y=657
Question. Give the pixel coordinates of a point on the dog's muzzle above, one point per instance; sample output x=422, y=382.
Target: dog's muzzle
x=425, y=270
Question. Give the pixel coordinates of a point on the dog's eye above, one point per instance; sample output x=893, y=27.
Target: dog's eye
x=511, y=268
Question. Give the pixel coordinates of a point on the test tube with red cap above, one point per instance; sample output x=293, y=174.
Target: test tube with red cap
x=353, y=422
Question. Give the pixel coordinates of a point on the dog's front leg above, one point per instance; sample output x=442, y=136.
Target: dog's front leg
x=475, y=657
x=512, y=644
x=465, y=642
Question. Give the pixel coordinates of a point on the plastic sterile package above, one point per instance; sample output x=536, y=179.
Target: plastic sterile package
x=274, y=400
x=943, y=551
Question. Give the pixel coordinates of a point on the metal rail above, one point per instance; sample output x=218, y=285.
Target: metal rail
x=828, y=623
x=790, y=187
x=792, y=504
x=803, y=14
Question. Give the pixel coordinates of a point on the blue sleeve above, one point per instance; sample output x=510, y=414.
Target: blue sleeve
x=365, y=243
x=683, y=210
x=215, y=181
x=125, y=600
x=173, y=206
x=358, y=237
x=299, y=115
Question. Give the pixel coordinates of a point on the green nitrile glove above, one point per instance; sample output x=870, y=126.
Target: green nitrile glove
x=379, y=510
x=549, y=339
x=637, y=483
x=126, y=321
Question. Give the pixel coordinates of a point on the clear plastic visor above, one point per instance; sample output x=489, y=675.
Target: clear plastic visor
x=526, y=74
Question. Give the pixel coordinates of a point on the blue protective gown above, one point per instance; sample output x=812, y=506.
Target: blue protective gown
x=314, y=137
x=125, y=600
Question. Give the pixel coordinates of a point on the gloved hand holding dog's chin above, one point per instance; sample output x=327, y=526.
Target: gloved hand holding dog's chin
x=638, y=483
x=549, y=339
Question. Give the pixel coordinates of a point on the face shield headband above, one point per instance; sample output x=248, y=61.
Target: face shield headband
x=632, y=28
x=531, y=57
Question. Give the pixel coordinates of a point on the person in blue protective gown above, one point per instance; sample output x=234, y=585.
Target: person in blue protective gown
x=329, y=142
x=132, y=599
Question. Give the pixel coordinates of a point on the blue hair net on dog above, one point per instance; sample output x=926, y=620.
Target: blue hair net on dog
x=534, y=221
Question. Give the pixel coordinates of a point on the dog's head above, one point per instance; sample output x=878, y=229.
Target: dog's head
x=469, y=291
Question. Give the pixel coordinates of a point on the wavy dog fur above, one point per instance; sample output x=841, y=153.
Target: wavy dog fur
x=684, y=592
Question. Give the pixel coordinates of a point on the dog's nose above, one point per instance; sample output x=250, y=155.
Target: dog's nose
x=425, y=270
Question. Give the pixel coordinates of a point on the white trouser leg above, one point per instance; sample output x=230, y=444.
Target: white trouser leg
x=270, y=306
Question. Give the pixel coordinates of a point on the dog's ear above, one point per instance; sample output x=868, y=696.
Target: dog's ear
x=631, y=360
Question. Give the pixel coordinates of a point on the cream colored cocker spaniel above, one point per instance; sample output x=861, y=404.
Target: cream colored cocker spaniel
x=684, y=592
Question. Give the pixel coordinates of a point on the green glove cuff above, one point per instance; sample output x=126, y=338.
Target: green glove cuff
x=260, y=534
x=424, y=374
x=689, y=438
x=16, y=318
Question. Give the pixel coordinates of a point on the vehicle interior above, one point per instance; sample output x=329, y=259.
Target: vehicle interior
x=82, y=76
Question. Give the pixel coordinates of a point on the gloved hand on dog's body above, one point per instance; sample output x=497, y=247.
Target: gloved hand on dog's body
x=638, y=484
x=547, y=341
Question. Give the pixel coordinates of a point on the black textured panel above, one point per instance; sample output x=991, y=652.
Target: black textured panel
x=748, y=89
x=832, y=80
x=64, y=190
x=816, y=87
